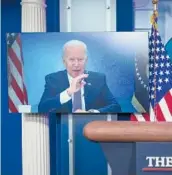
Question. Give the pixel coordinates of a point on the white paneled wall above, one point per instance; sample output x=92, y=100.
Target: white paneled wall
x=35, y=127
x=143, y=12
x=93, y=10
x=142, y=19
x=87, y=15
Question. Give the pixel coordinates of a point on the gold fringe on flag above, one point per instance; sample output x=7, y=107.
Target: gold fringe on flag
x=153, y=19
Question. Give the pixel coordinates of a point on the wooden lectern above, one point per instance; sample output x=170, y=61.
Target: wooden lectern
x=118, y=140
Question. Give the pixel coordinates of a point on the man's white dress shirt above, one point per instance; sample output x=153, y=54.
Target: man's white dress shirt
x=64, y=97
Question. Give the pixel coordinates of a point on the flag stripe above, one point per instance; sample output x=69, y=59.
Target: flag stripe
x=152, y=114
x=159, y=114
x=16, y=75
x=171, y=91
x=25, y=94
x=168, y=97
x=165, y=110
x=14, y=98
x=12, y=106
x=133, y=117
x=16, y=47
x=15, y=60
x=18, y=42
x=147, y=117
x=140, y=117
x=20, y=55
x=16, y=87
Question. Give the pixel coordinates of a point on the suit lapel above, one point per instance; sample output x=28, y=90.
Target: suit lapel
x=88, y=91
x=65, y=85
x=65, y=80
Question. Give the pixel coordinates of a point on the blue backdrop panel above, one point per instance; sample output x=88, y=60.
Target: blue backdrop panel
x=124, y=15
x=11, y=123
x=88, y=156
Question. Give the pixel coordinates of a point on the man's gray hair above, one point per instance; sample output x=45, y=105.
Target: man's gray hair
x=74, y=43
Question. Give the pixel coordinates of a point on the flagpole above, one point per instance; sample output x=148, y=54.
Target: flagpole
x=155, y=4
x=154, y=24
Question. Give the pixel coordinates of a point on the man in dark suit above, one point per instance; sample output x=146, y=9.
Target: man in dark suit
x=75, y=89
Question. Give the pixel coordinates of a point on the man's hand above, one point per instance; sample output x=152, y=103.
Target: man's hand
x=77, y=84
x=81, y=111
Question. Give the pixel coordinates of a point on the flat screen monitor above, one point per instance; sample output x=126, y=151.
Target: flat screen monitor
x=78, y=72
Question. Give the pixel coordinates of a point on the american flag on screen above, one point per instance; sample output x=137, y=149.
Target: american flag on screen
x=17, y=94
x=160, y=80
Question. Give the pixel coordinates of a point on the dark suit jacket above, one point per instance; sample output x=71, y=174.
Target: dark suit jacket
x=96, y=93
